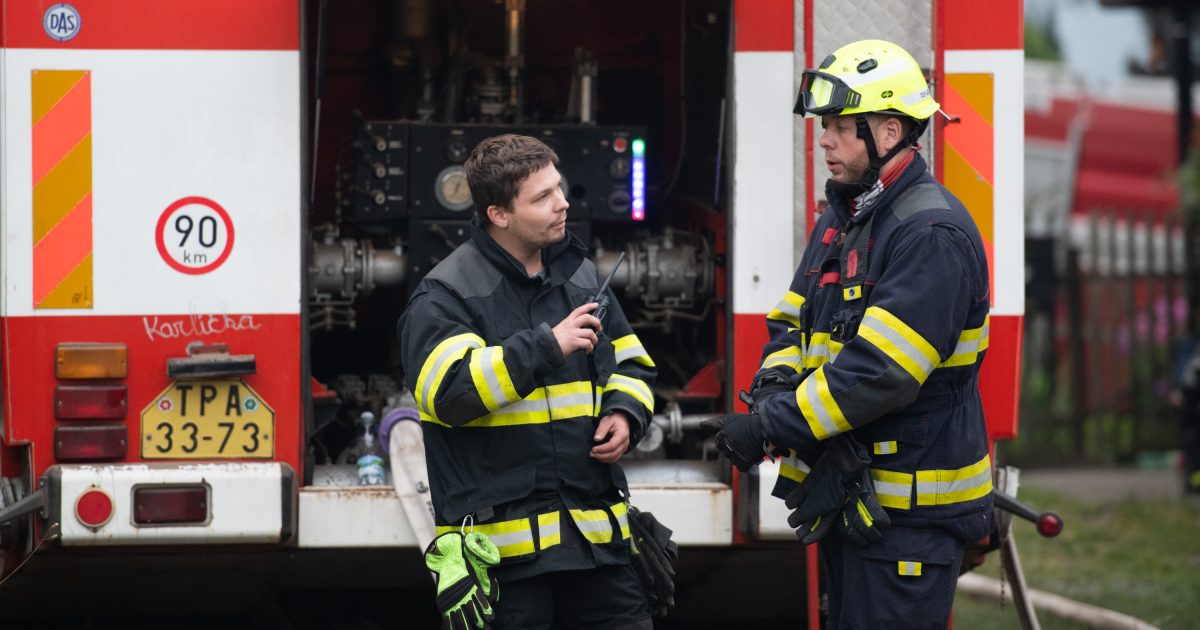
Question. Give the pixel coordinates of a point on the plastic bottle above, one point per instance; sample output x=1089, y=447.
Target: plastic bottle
x=370, y=459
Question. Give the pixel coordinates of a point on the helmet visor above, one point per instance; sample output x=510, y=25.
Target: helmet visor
x=822, y=94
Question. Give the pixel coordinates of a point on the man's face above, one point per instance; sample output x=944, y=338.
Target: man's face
x=537, y=216
x=845, y=152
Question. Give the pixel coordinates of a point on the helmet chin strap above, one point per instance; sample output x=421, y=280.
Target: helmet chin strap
x=875, y=162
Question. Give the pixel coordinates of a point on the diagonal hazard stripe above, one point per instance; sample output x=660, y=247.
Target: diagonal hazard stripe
x=62, y=249
x=969, y=186
x=972, y=136
x=62, y=188
x=62, y=128
x=49, y=86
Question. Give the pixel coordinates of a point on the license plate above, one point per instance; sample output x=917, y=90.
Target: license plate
x=217, y=419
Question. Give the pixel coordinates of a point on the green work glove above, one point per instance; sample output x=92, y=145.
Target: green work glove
x=460, y=600
x=482, y=555
x=863, y=520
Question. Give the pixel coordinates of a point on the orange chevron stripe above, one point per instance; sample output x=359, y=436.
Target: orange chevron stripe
x=62, y=188
x=973, y=136
x=971, y=189
x=62, y=249
x=49, y=86
x=62, y=127
x=976, y=89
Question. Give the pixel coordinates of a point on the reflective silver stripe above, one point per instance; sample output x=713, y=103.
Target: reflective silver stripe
x=854, y=79
x=512, y=538
x=970, y=343
x=940, y=487
x=433, y=372
x=487, y=364
x=892, y=489
x=629, y=348
x=788, y=309
x=636, y=388
x=548, y=530
x=564, y=406
x=910, y=567
x=900, y=343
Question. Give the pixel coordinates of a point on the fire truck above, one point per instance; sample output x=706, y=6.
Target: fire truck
x=213, y=212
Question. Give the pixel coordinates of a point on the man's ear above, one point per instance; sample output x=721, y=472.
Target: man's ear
x=497, y=216
x=895, y=132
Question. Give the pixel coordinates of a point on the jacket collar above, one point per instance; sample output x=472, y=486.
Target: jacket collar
x=878, y=197
x=559, y=261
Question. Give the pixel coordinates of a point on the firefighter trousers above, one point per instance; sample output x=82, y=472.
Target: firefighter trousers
x=604, y=598
x=906, y=580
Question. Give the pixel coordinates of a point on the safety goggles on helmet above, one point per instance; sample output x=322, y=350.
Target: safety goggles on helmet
x=824, y=94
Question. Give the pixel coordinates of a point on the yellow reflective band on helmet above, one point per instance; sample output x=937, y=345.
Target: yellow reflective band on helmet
x=892, y=489
x=867, y=76
x=629, y=348
x=638, y=389
x=820, y=410
x=444, y=355
x=490, y=375
x=971, y=343
x=940, y=487
x=899, y=342
x=788, y=309
x=885, y=448
x=794, y=468
x=910, y=568
x=789, y=357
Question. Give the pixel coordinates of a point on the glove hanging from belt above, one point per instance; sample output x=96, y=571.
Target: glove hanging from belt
x=654, y=555
x=838, y=491
x=465, y=588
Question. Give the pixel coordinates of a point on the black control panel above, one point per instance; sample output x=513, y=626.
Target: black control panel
x=380, y=190
x=602, y=168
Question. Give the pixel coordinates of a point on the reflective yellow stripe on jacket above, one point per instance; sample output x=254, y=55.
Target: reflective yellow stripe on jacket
x=446, y=354
x=554, y=402
x=788, y=309
x=970, y=343
x=933, y=487
x=629, y=348
x=515, y=538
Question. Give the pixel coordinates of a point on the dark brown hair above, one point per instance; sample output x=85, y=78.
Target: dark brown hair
x=499, y=164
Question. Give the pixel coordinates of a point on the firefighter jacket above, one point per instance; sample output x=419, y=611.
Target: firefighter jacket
x=883, y=330
x=508, y=422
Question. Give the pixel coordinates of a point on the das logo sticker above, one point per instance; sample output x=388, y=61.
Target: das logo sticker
x=61, y=22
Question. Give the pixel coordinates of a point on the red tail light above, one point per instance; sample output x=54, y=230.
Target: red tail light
x=170, y=506
x=94, y=507
x=85, y=402
x=90, y=443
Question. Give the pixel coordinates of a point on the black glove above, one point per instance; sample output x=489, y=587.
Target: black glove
x=768, y=385
x=654, y=555
x=819, y=500
x=742, y=437
x=863, y=520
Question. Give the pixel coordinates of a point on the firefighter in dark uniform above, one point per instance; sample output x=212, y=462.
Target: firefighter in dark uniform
x=527, y=399
x=874, y=357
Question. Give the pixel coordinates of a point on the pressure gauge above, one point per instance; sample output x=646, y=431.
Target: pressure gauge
x=451, y=189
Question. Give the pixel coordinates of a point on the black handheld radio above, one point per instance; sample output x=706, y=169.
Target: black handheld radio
x=601, y=296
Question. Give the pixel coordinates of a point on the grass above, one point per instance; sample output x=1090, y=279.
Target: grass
x=1140, y=558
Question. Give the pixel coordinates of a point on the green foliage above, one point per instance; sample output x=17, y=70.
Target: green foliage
x=1138, y=557
x=1040, y=42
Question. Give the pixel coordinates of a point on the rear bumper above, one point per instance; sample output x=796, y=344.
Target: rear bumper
x=248, y=503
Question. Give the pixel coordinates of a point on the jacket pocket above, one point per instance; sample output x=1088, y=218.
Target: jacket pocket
x=479, y=494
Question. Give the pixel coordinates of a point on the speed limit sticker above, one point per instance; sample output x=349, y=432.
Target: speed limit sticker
x=194, y=235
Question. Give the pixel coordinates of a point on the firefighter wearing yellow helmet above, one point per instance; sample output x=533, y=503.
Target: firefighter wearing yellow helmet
x=868, y=387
